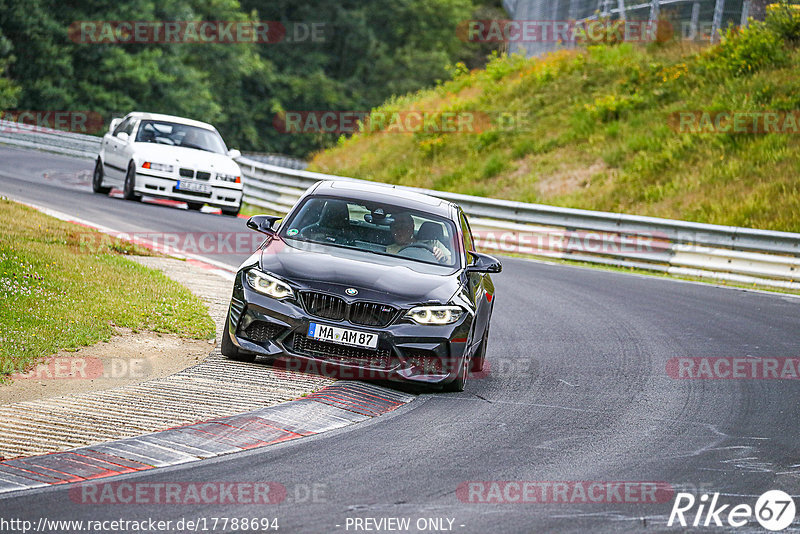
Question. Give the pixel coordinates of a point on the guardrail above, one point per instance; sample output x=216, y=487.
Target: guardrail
x=28, y=136
x=740, y=255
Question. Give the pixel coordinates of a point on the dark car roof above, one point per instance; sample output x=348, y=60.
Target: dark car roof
x=384, y=193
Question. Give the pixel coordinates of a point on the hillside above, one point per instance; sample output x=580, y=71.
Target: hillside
x=600, y=128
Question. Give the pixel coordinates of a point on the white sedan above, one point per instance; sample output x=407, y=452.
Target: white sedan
x=169, y=157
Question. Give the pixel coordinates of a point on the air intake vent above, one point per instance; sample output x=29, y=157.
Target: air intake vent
x=324, y=305
x=371, y=313
x=260, y=331
x=376, y=359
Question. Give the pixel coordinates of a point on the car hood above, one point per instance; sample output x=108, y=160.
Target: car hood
x=186, y=157
x=377, y=278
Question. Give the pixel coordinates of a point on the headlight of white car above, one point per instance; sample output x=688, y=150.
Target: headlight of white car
x=162, y=167
x=268, y=285
x=435, y=314
x=229, y=178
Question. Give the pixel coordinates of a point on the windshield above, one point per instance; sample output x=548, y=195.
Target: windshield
x=374, y=228
x=175, y=134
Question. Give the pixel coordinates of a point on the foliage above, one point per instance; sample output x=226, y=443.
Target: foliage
x=368, y=52
x=784, y=20
x=9, y=91
x=609, y=108
x=744, y=51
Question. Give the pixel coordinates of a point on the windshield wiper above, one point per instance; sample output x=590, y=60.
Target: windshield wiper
x=198, y=147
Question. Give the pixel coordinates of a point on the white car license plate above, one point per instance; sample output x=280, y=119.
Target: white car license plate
x=195, y=187
x=343, y=336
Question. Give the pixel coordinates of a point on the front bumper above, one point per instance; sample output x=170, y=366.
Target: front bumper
x=159, y=186
x=406, y=352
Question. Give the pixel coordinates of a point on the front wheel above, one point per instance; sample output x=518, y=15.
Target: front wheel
x=231, y=212
x=461, y=381
x=97, y=179
x=128, y=192
x=230, y=350
x=194, y=206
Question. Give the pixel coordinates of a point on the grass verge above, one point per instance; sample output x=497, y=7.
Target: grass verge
x=64, y=286
x=598, y=129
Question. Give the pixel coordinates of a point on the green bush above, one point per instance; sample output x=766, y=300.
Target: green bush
x=500, y=66
x=783, y=19
x=609, y=108
x=746, y=51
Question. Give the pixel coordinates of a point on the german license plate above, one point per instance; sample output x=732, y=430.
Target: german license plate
x=343, y=336
x=193, y=186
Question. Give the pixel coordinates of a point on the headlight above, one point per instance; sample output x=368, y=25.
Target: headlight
x=268, y=285
x=434, y=314
x=163, y=167
x=229, y=178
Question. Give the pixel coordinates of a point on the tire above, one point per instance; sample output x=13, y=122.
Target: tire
x=231, y=212
x=97, y=179
x=194, y=206
x=128, y=192
x=460, y=382
x=231, y=351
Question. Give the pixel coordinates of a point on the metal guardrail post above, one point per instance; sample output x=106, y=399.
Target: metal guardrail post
x=745, y=13
x=716, y=26
x=655, y=6
x=695, y=21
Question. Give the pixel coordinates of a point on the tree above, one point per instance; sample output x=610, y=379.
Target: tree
x=368, y=52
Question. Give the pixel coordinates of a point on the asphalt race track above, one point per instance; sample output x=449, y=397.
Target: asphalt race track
x=578, y=390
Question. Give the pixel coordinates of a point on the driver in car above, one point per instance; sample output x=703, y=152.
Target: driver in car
x=192, y=139
x=403, y=236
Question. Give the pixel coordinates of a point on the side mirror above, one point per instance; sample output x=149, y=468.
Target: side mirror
x=113, y=125
x=483, y=263
x=234, y=153
x=263, y=223
x=123, y=136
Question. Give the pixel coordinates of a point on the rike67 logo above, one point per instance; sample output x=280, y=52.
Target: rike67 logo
x=774, y=510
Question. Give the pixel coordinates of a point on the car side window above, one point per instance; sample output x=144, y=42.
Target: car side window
x=130, y=126
x=121, y=126
x=469, y=243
